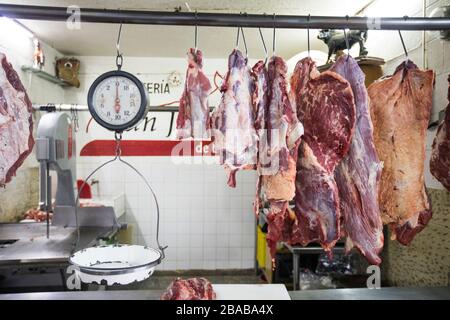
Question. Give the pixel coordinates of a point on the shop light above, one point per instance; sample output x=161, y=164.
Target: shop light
x=14, y=28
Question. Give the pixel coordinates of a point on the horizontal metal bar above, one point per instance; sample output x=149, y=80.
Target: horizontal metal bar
x=50, y=107
x=223, y=19
x=76, y=107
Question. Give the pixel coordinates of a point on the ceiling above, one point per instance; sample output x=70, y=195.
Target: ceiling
x=172, y=41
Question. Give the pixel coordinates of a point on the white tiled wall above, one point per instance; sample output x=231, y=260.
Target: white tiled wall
x=206, y=224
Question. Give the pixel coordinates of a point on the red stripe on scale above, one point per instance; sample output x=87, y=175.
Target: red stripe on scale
x=147, y=148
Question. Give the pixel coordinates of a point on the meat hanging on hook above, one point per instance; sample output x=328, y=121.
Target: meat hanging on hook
x=233, y=129
x=193, y=120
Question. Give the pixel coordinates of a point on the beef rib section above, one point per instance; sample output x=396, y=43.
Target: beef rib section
x=440, y=154
x=326, y=108
x=400, y=107
x=16, y=122
x=358, y=174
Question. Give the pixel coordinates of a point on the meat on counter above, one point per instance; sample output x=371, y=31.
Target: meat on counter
x=16, y=122
x=440, y=154
x=189, y=289
x=37, y=215
x=400, y=108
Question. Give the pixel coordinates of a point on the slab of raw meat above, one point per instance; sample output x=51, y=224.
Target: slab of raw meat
x=193, y=115
x=260, y=106
x=440, y=154
x=325, y=106
x=189, y=289
x=278, y=145
x=16, y=122
x=260, y=95
x=400, y=108
x=316, y=201
x=359, y=173
x=233, y=121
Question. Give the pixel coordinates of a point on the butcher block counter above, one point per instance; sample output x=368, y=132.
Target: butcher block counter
x=435, y=293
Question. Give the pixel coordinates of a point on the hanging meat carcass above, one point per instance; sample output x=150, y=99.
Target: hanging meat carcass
x=400, y=108
x=359, y=173
x=440, y=154
x=16, y=122
x=326, y=108
x=193, y=115
x=279, y=138
x=260, y=106
x=233, y=121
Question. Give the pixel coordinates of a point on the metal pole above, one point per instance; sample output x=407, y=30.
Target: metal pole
x=76, y=107
x=223, y=20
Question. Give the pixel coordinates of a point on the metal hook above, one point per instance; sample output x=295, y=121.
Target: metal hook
x=307, y=30
x=273, y=39
x=118, y=40
x=245, y=43
x=74, y=116
x=264, y=45
x=195, y=33
x=240, y=29
x=403, y=44
x=119, y=57
x=347, y=44
x=237, y=38
x=243, y=36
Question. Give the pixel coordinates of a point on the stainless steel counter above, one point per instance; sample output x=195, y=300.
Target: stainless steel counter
x=86, y=295
x=438, y=293
x=391, y=293
x=31, y=246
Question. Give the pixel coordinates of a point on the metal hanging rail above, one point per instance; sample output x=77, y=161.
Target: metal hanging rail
x=51, y=107
x=222, y=19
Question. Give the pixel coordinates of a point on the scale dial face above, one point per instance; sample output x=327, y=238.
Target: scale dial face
x=117, y=100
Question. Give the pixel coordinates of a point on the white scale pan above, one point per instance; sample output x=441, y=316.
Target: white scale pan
x=118, y=263
x=115, y=264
